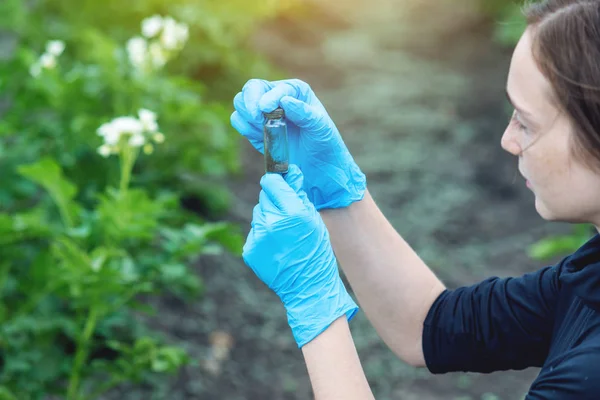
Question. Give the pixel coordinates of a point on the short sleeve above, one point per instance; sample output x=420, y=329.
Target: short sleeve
x=575, y=377
x=498, y=324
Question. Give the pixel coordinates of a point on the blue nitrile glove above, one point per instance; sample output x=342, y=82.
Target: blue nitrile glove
x=332, y=178
x=288, y=248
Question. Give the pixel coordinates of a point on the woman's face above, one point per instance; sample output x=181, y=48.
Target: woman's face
x=540, y=136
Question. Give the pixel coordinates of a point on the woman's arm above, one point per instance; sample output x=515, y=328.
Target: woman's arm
x=392, y=284
x=334, y=367
x=496, y=324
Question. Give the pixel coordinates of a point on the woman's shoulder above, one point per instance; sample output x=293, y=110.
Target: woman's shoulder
x=579, y=273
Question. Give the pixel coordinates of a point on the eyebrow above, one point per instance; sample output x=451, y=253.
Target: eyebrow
x=519, y=109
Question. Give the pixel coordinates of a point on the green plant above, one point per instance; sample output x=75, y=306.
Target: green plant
x=90, y=215
x=561, y=245
x=83, y=266
x=95, y=78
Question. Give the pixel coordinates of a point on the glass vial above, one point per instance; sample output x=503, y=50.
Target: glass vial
x=276, y=142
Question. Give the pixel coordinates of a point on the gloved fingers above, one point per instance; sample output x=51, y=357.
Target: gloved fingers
x=251, y=132
x=302, y=114
x=294, y=177
x=270, y=211
x=280, y=195
x=270, y=100
x=248, y=245
x=252, y=92
x=264, y=203
x=240, y=106
x=303, y=90
x=256, y=215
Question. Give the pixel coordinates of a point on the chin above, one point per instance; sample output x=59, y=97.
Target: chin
x=551, y=215
x=545, y=212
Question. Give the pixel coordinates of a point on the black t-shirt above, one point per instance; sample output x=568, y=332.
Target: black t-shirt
x=549, y=319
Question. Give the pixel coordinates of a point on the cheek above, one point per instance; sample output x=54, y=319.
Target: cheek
x=547, y=168
x=547, y=158
x=555, y=181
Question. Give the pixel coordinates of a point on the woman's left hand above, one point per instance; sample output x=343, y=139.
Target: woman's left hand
x=288, y=248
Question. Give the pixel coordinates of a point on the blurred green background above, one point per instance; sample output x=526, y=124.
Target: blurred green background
x=120, y=267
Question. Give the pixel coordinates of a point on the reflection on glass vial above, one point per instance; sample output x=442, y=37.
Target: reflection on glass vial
x=276, y=142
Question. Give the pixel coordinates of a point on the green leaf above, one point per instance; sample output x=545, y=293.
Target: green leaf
x=100, y=255
x=23, y=226
x=6, y=394
x=194, y=239
x=48, y=174
x=229, y=236
x=129, y=215
x=98, y=279
x=169, y=359
x=179, y=279
x=554, y=246
x=72, y=256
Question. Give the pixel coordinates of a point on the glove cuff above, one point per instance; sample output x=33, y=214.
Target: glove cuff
x=347, y=186
x=313, y=317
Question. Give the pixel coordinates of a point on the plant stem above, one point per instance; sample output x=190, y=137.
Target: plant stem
x=128, y=156
x=125, y=170
x=81, y=354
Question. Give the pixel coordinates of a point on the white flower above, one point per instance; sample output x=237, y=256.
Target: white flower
x=174, y=34
x=137, y=49
x=137, y=140
x=104, y=150
x=48, y=61
x=157, y=55
x=104, y=129
x=183, y=33
x=170, y=34
x=136, y=133
x=158, y=137
x=129, y=125
x=110, y=133
x=35, y=70
x=112, y=138
x=151, y=26
x=55, y=47
x=148, y=119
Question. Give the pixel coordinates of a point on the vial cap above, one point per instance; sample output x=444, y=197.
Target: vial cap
x=275, y=114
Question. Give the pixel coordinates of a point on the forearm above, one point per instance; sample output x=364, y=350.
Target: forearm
x=334, y=367
x=392, y=284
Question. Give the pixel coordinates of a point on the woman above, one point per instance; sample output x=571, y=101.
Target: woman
x=549, y=318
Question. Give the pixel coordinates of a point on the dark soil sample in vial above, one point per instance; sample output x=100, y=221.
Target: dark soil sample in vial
x=276, y=143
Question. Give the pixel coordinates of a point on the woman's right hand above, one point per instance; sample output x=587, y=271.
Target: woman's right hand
x=332, y=179
x=288, y=248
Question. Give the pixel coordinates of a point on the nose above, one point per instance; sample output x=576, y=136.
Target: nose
x=509, y=142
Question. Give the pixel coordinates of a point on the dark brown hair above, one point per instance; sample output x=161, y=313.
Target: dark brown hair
x=566, y=47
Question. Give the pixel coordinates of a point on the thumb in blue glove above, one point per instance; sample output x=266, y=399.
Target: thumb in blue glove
x=288, y=248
